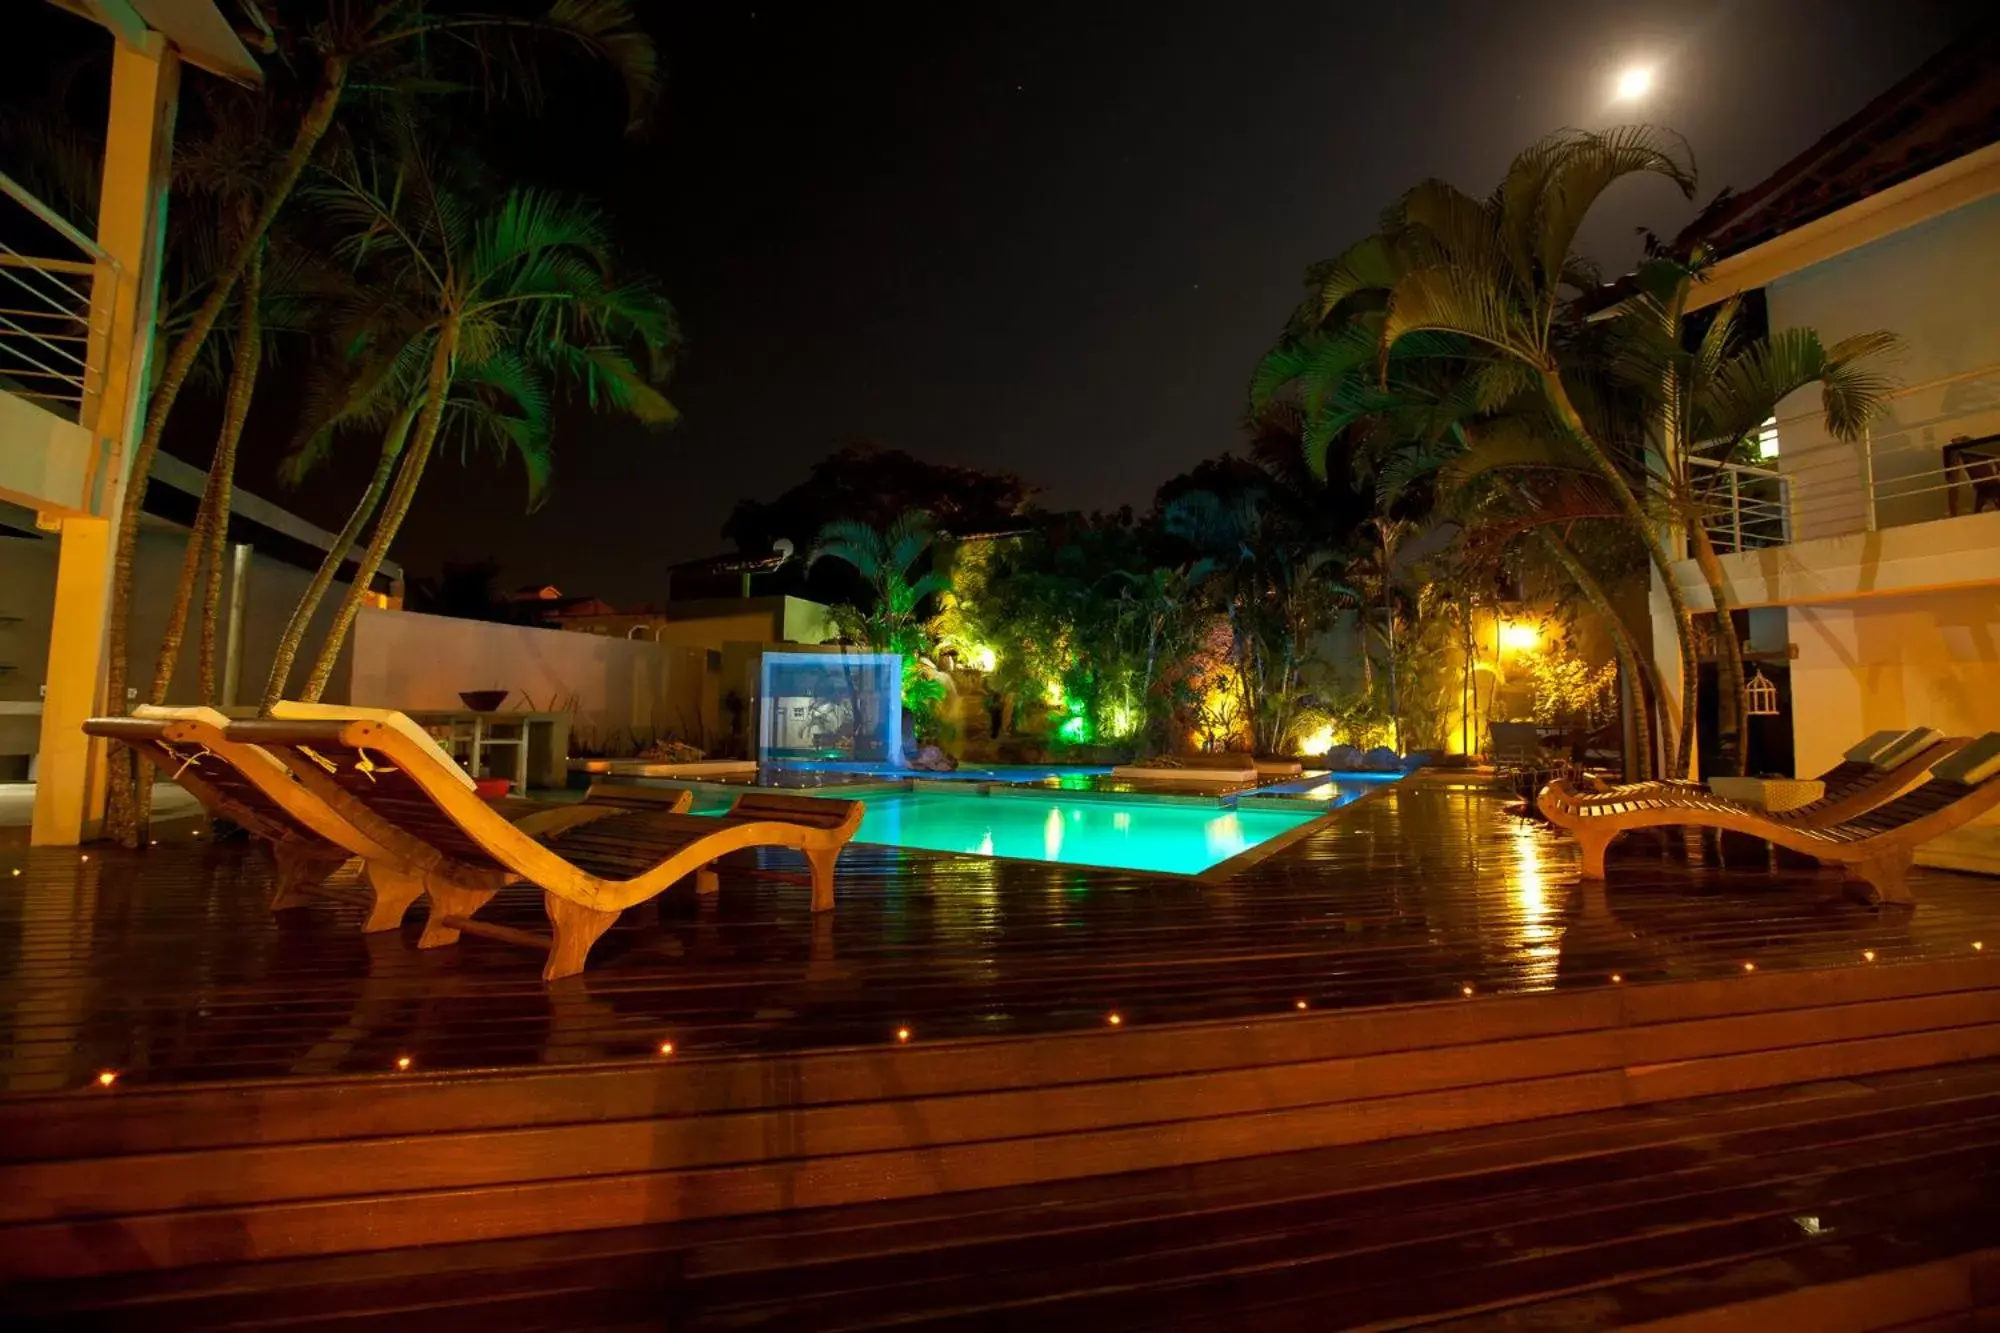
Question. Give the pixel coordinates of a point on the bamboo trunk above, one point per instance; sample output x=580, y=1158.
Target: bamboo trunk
x=1728, y=656
x=329, y=567
x=121, y=819
x=397, y=508
x=1635, y=513
x=242, y=386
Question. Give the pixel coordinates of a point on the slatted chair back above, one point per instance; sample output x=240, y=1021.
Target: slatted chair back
x=205, y=776
x=333, y=757
x=832, y=815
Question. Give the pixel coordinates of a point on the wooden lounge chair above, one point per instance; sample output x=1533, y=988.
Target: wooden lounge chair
x=1875, y=848
x=590, y=865
x=293, y=823
x=1872, y=771
x=396, y=868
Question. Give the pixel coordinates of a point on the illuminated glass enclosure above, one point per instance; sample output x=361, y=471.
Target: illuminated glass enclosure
x=831, y=705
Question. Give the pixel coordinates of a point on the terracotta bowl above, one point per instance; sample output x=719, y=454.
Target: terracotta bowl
x=484, y=701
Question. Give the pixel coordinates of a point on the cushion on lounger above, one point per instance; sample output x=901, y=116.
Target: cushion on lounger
x=1869, y=751
x=1908, y=746
x=194, y=713
x=1975, y=764
x=389, y=717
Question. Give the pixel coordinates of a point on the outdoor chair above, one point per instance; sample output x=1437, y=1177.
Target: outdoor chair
x=309, y=839
x=1873, y=771
x=1876, y=847
x=604, y=857
x=305, y=844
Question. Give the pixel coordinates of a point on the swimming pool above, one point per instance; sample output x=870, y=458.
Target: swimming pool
x=1170, y=837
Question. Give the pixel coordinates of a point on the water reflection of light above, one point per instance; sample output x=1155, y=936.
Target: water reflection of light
x=1052, y=835
x=985, y=847
x=1537, y=937
x=1224, y=834
x=1121, y=820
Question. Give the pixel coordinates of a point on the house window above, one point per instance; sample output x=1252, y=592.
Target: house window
x=1767, y=440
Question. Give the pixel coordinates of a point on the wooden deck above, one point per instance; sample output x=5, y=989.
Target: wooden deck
x=1372, y=1048
x=165, y=966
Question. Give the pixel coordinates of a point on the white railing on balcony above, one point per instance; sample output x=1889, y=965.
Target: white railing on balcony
x=49, y=350
x=1934, y=453
x=1743, y=507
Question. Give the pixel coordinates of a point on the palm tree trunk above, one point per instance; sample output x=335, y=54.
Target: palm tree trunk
x=1728, y=655
x=1638, y=667
x=295, y=629
x=394, y=511
x=121, y=817
x=1389, y=611
x=222, y=471
x=1635, y=513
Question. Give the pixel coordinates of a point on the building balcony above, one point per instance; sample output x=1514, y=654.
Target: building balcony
x=1911, y=506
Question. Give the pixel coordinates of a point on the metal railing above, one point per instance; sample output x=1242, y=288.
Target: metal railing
x=1934, y=454
x=50, y=351
x=1743, y=507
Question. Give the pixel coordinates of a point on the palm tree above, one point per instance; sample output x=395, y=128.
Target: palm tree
x=506, y=302
x=1705, y=405
x=887, y=562
x=480, y=413
x=396, y=45
x=1489, y=283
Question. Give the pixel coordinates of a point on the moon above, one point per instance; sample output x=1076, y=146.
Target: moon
x=1634, y=83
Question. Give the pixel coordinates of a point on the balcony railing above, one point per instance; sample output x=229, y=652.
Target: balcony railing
x=1934, y=453
x=1743, y=507
x=50, y=352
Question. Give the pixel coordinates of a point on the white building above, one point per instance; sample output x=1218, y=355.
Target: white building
x=1872, y=569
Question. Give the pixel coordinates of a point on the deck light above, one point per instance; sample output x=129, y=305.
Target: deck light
x=666, y=1048
x=86, y=856
x=1749, y=967
x=106, y=1078
x=1867, y=955
x=402, y=1062
x=1617, y=976
x=1301, y=1004
x=17, y=872
x=902, y=1034
x=1465, y=990
x=1114, y=1020
x=1976, y=945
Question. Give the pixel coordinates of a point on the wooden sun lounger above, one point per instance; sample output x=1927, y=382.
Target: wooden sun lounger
x=1853, y=787
x=591, y=861
x=1875, y=848
x=301, y=832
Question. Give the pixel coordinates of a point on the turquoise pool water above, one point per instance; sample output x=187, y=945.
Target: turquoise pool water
x=1150, y=835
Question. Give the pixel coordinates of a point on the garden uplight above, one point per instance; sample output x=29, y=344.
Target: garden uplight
x=1519, y=636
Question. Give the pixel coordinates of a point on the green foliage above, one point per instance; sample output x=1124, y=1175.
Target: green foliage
x=1570, y=693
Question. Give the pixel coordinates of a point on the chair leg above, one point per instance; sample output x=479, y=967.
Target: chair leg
x=577, y=928
x=395, y=890
x=1595, y=844
x=299, y=870
x=822, y=861
x=1887, y=873
x=450, y=899
x=707, y=881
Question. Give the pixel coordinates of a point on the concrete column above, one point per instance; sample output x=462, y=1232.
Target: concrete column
x=239, y=610
x=131, y=217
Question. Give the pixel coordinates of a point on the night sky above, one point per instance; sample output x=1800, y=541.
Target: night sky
x=1056, y=238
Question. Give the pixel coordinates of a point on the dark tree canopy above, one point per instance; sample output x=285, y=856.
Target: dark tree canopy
x=866, y=482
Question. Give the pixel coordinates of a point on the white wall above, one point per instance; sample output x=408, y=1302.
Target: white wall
x=1929, y=659
x=1936, y=286
x=402, y=659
